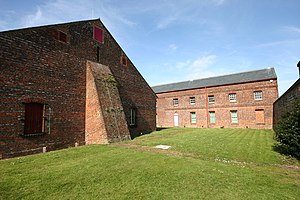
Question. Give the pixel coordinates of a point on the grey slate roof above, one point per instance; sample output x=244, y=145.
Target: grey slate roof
x=250, y=76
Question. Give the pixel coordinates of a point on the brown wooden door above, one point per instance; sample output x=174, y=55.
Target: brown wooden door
x=34, y=118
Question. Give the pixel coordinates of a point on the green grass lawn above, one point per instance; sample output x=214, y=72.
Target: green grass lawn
x=201, y=164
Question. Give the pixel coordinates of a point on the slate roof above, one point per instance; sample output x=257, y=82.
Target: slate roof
x=250, y=76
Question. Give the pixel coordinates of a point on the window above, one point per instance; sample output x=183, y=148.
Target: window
x=259, y=116
x=234, y=117
x=123, y=60
x=62, y=37
x=34, y=118
x=212, y=117
x=193, y=118
x=175, y=102
x=192, y=100
x=211, y=99
x=258, y=95
x=132, y=117
x=232, y=97
x=98, y=34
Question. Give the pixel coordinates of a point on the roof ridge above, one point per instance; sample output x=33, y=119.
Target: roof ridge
x=50, y=25
x=268, y=68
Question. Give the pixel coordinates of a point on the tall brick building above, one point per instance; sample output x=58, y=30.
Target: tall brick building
x=68, y=84
x=242, y=100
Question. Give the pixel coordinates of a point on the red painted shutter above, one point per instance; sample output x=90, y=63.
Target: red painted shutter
x=98, y=34
x=260, y=116
x=33, y=118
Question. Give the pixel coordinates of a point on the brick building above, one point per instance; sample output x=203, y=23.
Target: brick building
x=68, y=84
x=285, y=102
x=242, y=100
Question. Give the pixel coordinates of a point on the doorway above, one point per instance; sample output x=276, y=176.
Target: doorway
x=176, y=120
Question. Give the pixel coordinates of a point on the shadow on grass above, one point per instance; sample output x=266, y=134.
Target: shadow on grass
x=282, y=149
x=161, y=128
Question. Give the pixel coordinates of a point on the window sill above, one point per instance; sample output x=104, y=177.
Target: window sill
x=33, y=134
x=132, y=125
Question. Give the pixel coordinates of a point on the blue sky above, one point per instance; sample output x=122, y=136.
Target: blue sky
x=177, y=40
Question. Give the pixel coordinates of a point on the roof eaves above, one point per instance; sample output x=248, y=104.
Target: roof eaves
x=50, y=25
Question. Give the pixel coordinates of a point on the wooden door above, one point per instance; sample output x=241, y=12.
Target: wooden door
x=34, y=121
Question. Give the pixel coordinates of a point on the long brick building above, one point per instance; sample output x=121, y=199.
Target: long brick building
x=242, y=100
x=68, y=84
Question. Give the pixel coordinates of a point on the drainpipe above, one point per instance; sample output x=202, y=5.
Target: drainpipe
x=206, y=100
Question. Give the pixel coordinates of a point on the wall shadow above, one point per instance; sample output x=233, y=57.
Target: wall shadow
x=161, y=128
x=284, y=150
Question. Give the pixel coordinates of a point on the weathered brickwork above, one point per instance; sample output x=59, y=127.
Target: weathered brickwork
x=285, y=102
x=37, y=66
x=105, y=119
x=250, y=113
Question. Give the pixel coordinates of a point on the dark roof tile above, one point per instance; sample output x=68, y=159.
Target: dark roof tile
x=250, y=76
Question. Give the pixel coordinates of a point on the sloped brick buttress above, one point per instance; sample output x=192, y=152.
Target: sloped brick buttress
x=105, y=119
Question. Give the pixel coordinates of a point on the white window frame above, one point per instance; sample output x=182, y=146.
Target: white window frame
x=193, y=117
x=192, y=100
x=212, y=115
x=234, y=119
x=232, y=97
x=258, y=95
x=211, y=99
x=175, y=102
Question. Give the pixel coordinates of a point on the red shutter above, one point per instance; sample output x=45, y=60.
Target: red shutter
x=98, y=34
x=260, y=116
x=62, y=37
x=33, y=118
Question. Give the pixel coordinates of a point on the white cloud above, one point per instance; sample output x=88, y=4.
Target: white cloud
x=205, y=66
x=202, y=68
x=34, y=19
x=64, y=11
x=203, y=62
x=183, y=11
x=219, y=2
x=279, y=43
x=164, y=22
x=291, y=29
x=172, y=47
x=198, y=68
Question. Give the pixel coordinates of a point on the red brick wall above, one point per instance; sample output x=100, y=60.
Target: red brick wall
x=245, y=106
x=285, y=102
x=134, y=90
x=105, y=118
x=36, y=67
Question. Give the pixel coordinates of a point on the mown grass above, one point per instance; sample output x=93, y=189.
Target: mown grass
x=115, y=172
x=245, y=145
